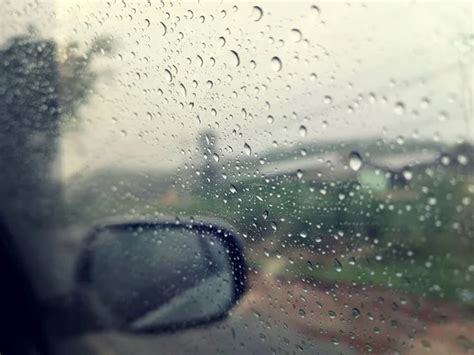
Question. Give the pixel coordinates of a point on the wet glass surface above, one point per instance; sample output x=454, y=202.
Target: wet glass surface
x=337, y=138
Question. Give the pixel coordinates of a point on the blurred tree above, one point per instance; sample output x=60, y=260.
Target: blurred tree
x=38, y=90
x=77, y=77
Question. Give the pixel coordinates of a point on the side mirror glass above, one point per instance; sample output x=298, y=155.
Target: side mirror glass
x=149, y=277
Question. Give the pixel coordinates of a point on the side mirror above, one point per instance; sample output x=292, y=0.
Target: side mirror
x=152, y=277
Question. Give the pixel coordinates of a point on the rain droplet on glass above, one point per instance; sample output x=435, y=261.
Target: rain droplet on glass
x=355, y=161
x=276, y=64
x=247, y=149
x=257, y=13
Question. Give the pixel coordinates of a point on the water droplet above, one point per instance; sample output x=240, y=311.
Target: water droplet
x=299, y=174
x=183, y=89
x=462, y=159
x=399, y=108
x=443, y=116
x=425, y=102
x=247, y=149
x=296, y=35
x=445, y=160
x=163, y=28
x=313, y=77
x=147, y=22
x=270, y=119
x=265, y=214
x=200, y=61
x=327, y=99
x=407, y=173
x=168, y=76
x=369, y=346
x=426, y=344
x=257, y=13
x=315, y=11
x=332, y=314
x=233, y=189
x=301, y=312
x=303, y=235
x=276, y=64
x=355, y=161
x=222, y=41
x=216, y=157
x=355, y=313
x=337, y=265
x=302, y=131
x=236, y=58
x=432, y=201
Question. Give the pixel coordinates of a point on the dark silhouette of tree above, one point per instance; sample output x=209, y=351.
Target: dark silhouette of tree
x=38, y=89
x=29, y=117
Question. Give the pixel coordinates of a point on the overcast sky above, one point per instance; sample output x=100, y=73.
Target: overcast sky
x=345, y=69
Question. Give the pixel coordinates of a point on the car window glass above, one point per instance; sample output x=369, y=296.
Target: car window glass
x=336, y=137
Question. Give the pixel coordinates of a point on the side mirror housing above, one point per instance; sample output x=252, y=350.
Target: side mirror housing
x=149, y=277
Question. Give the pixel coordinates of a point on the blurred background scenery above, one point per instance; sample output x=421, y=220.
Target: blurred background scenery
x=337, y=138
